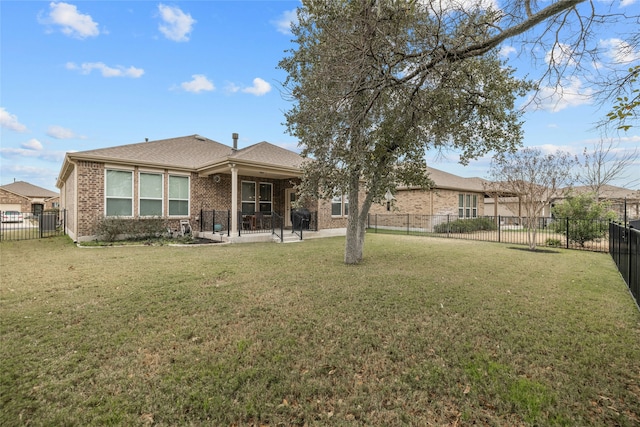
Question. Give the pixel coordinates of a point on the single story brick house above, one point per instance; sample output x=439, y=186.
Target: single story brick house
x=27, y=198
x=451, y=195
x=179, y=178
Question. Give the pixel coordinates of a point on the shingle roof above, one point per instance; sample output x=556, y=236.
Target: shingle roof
x=264, y=152
x=25, y=189
x=448, y=180
x=190, y=152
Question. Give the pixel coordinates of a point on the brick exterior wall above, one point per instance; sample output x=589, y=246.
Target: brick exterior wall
x=8, y=198
x=26, y=203
x=432, y=202
x=205, y=194
x=90, y=196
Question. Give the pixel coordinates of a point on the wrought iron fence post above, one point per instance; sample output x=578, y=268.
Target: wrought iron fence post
x=567, y=231
x=499, y=237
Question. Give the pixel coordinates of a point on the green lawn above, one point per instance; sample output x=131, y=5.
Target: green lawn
x=424, y=332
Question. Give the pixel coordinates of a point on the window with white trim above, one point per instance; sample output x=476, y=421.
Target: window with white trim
x=340, y=205
x=150, y=190
x=467, y=205
x=118, y=193
x=178, y=195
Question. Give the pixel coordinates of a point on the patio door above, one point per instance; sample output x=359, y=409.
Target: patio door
x=290, y=198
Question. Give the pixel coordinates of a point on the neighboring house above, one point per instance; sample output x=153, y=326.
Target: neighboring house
x=618, y=197
x=27, y=198
x=178, y=178
x=451, y=195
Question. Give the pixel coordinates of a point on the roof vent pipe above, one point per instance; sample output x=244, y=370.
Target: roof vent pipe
x=235, y=141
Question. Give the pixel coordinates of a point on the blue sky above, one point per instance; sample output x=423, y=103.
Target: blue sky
x=83, y=75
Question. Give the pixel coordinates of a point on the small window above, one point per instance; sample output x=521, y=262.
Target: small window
x=150, y=194
x=119, y=193
x=178, y=195
x=340, y=206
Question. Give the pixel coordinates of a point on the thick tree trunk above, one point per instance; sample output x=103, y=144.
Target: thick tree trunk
x=354, y=243
x=356, y=223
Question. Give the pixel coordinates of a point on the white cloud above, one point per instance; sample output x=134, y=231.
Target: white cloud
x=199, y=83
x=32, y=144
x=52, y=156
x=570, y=94
x=505, y=51
x=259, y=88
x=561, y=54
x=619, y=51
x=10, y=121
x=106, y=71
x=232, y=88
x=625, y=3
x=283, y=24
x=552, y=149
x=58, y=132
x=73, y=23
x=176, y=24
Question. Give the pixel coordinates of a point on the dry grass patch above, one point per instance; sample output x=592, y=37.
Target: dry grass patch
x=423, y=332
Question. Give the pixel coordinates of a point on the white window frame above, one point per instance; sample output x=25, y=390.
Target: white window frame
x=343, y=201
x=467, y=205
x=106, y=192
x=170, y=199
x=141, y=198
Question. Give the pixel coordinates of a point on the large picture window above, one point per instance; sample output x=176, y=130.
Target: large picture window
x=119, y=193
x=178, y=195
x=340, y=206
x=150, y=190
x=467, y=205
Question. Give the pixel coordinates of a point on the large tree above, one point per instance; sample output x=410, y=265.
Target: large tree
x=534, y=178
x=377, y=82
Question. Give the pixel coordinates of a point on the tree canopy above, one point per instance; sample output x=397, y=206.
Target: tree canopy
x=375, y=83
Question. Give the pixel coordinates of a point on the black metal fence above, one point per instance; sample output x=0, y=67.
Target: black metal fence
x=25, y=226
x=592, y=235
x=215, y=221
x=624, y=247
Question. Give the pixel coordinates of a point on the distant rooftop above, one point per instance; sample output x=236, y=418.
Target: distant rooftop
x=25, y=189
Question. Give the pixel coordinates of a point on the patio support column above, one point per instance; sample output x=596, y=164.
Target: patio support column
x=234, y=198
